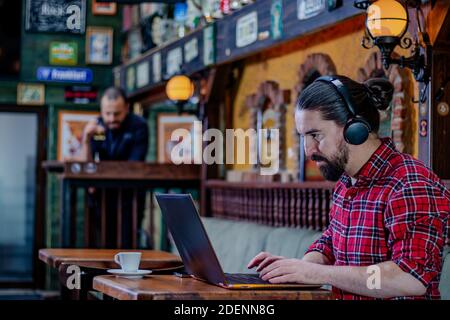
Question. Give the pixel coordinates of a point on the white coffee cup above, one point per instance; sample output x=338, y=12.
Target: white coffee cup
x=129, y=261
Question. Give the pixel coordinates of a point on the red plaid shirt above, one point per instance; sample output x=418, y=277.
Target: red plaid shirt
x=398, y=210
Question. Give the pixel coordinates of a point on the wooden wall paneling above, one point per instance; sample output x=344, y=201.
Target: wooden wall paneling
x=305, y=206
x=265, y=210
x=439, y=113
x=216, y=80
x=286, y=207
x=293, y=200
x=298, y=201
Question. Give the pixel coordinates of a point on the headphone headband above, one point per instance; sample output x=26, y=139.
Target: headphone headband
x=341, y=90
x=357, y=129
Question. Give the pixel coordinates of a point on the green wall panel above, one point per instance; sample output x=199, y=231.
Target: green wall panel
x=35, y=50
x=35, y=53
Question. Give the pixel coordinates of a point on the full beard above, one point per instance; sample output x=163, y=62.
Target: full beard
x=335, y=167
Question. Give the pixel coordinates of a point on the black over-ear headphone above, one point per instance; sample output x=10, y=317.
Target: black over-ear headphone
x=357, y=129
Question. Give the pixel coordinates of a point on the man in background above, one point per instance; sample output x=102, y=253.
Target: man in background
x=117, y=135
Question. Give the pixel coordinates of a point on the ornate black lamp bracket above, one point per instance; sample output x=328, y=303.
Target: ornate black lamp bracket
x=418, y=62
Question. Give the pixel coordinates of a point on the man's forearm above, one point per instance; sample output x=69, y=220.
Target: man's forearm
x=316, y=257
x=392, y=281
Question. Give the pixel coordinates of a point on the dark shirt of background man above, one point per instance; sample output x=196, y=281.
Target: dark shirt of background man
x=128, y=143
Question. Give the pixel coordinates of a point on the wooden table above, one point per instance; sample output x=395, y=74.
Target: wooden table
x=93, y=262
x=169, y=287
x=104, y=258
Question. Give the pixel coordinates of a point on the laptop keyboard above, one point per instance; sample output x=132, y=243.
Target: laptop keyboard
x=244, y=278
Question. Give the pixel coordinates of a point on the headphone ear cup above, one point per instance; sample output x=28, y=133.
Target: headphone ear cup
x=356, y=131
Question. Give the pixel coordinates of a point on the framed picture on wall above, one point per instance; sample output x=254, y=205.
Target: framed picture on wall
x=70, y=132
x=99, y=45
x=103, y=8
x=169, y=122
x=30, y=94
x=50, y=16
x=63, y=53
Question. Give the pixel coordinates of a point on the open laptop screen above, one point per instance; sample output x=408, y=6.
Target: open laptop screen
x=190, y=237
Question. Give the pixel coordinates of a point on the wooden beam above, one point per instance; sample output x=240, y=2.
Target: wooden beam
x=438, y=25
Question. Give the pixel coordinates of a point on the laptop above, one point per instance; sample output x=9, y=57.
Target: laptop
x=196, y=251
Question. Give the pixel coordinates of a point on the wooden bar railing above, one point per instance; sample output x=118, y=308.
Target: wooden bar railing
x=276, y=204
x=109, y=185
x=305, y=204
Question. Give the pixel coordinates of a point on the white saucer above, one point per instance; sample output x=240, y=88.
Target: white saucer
x=129, y=274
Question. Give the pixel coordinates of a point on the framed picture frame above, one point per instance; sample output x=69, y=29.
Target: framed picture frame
x=31, y=94
x=104, y=8
x=63, y=53
x=60, y=16
x=70, y=132
x=168, y=123
x=99, y=45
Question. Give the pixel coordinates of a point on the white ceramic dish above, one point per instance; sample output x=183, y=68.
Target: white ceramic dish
x=129, y=274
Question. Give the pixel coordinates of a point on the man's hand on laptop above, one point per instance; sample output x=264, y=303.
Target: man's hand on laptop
x=278, y=269
x=262, y=260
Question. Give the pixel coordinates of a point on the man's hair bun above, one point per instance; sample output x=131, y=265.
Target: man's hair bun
x=380, y=92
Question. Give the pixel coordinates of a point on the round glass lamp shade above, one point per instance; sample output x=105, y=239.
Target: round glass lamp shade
x=386, y=18
x=179, y=88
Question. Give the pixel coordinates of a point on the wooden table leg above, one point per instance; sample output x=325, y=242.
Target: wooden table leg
x=73, y=288
x=65, y=213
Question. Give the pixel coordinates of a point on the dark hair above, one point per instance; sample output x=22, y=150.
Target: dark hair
x=368, y=97
x=114, y=93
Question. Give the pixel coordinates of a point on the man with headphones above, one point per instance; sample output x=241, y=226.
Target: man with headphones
x=390, y=213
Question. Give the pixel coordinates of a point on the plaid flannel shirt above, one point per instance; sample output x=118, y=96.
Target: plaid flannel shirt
x=398, y=210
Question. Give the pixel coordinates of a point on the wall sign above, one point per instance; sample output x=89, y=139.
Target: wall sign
x=423, y=130
x=63, y=53
x=190, y=50
x=443, y=109
x=99, y=45
x=423, y=109
x=102, y=8
x=174, y=61
x=208, y=46
x=52, y=74
x=68, y=16
x=247, y=29
x=117, y=74
x=310, y=8
x=80, y=94
x=276, y=19
x=142, y=74
x=30, y=94
x=131, y=78
x=156, y=67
